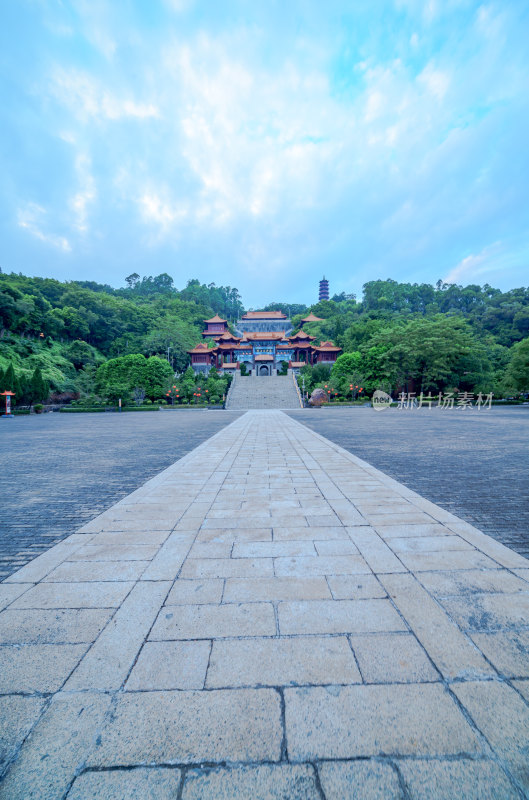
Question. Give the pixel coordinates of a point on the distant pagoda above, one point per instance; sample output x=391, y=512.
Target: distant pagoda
x=324, y=289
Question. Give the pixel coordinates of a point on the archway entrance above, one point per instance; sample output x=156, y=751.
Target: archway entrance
x=264, y=370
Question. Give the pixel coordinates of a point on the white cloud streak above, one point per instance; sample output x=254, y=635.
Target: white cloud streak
x=85, y=196
x=476, y=264
x=86, y=98
x=31, y=219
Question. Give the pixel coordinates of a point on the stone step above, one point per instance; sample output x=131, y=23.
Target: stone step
x=249, y=392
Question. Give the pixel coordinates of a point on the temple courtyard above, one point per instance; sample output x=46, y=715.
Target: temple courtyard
x=268, y=616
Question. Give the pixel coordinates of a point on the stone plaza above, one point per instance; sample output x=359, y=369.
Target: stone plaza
x=268, y=617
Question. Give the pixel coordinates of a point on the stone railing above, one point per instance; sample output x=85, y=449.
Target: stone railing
x=232, y=384
x=297, y=389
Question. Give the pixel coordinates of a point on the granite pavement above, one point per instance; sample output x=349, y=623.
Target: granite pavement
x=268, y=617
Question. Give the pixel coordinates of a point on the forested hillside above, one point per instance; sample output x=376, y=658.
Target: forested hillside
x=471, y=337
x=447, y=336
x=68, y=329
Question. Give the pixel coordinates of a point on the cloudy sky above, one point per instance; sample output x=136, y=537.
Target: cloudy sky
x=264, y=144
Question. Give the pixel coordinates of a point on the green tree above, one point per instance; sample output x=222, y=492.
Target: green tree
x=434, y=352
x=132, y=280
x=127, y=371
x=38, y=389
x=11, y=383
x=158, y=376
x=346, y=364
x=518, y=370
x=116, y=391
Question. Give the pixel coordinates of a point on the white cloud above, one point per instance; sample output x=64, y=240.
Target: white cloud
x=474, y=265
x=254, y=141
x=85, y=97
x=163, y=213
x=31, y=218
x=260, y=149
x=86, y=194
x=95, y=16
x=435, y=81
x=179, y=6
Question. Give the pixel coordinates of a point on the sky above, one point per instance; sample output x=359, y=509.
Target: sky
x=263, y=145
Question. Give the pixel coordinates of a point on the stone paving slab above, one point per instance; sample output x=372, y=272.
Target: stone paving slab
x=474, y=464
x=66, y=468
x=270, y=617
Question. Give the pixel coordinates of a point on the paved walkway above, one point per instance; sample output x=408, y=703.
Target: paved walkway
x=270, y=617
x=472, y=463
x=63, y=469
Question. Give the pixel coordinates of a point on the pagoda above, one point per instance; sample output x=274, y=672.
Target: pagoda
x=324, y=289
x=215, y=327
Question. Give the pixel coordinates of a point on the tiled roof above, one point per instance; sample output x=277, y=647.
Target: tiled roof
x=201, y=347
x=301, y=335
x=264, y=358
x=329, y=346
x=216, y=318
x=227, y=337
x=264, y=315
x=312, y=318
x=298, y=363
x=228, y=366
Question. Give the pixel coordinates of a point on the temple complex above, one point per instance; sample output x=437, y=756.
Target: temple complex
x=263, y=341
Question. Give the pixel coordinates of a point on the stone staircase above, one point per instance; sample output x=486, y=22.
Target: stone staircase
x=276, y=391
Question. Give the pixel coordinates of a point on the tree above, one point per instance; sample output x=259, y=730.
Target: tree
x=10, y=380
x=518, y=370
x=435, y=352
x=290, y=309
x=132, y=280
x=115, y=392
x=346, y=364
x=82, y=354
x=158, y=375
x=38, y=389
x=128, y=372
x=321, y=372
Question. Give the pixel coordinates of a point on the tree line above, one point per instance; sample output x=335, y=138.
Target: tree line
x=426, y=337
x=431, y=337
x=69, y=329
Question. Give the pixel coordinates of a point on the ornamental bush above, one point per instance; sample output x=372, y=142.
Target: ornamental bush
x=134, y=372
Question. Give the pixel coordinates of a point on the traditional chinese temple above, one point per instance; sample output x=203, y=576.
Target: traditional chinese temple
x=263, y=341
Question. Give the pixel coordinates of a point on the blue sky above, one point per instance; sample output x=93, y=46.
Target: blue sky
x=262, y=145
